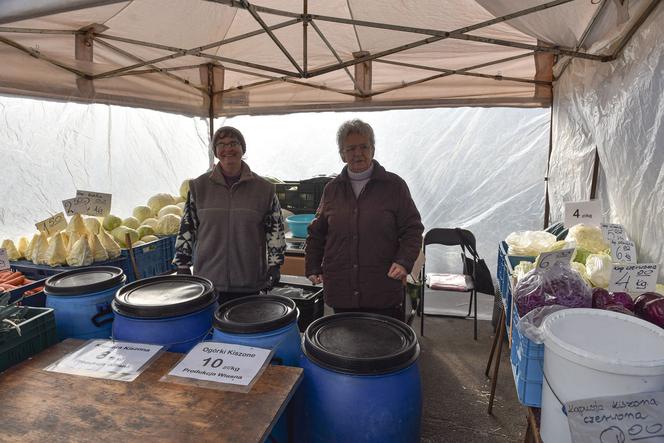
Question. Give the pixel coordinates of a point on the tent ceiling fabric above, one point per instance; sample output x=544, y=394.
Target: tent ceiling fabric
x=155, y=53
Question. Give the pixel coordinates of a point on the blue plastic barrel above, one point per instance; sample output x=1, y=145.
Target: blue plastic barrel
x=174, y=311
x=268, y=322
x=81, y=300
x=361, y=381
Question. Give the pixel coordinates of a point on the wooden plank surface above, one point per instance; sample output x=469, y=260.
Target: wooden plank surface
x=51, y=407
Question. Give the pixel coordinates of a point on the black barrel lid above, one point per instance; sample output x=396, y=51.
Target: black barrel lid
x=84, y=281
x=360, y=343
x=255, y=313
x=164, y=296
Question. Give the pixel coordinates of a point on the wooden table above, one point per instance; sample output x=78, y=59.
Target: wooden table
x=48, y=406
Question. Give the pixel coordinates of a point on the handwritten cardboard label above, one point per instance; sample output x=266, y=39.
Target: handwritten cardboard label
x=52, y=225
x=96, y=204
x=547, y=260
x=623, y=251
x=222, y=363
x=4, y=259
x=617, y=419
x=635, y=278
x=115, y=360
x=587, y=212
x=613, y=232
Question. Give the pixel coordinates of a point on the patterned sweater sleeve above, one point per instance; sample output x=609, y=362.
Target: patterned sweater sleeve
x=275, y=235
x=186, y=238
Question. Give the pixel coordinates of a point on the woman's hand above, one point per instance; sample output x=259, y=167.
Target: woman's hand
x=316, y=278
x=397, y=271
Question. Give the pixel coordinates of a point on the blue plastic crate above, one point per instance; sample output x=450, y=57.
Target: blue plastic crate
x=154, y=258
x=527, y=360
x=528, y=392
x=37, y=300
x=40, y=272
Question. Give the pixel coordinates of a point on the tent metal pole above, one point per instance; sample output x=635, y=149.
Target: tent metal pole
x=246, y=64
x=595, y=179
x=179, y=52
x=38, y=55
x=305, y=23
x=18, y=10
x=274, y=38
x=547, y=204
x=38, y=31
x=336, y=55
x=210, y=91
x=155, y=68
x=642, y=18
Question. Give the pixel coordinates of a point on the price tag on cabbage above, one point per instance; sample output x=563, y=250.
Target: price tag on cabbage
x=4, y=259
x=588, y=212
x=97, y=204
x=635, y=278
x=623, y=251
x=52, y=225
x=613, y=232
x=547, y=260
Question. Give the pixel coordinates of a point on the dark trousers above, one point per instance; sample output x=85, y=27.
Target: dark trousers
x=393, y=311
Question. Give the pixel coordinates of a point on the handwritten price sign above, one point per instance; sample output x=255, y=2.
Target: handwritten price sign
x=4, y=259
x=52, y=225
x=633, y=278
x=623, y=251
x=613, y=232
x=548, y=260
x=96, y=204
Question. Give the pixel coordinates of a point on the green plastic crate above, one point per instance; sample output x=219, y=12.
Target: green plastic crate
x=37, y=333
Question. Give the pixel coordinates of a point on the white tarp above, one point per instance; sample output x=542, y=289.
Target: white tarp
x=458, y=163
x=617, y=108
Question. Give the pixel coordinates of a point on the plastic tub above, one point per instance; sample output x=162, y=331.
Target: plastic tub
x=596, y=353
x=173, y=310
x=298, y=224
x=268, y=322
x=361, y=381
x=82, y=300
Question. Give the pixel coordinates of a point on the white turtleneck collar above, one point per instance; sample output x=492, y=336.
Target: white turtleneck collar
x=359, y=179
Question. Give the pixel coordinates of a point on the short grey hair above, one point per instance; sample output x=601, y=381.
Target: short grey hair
x=355, y=126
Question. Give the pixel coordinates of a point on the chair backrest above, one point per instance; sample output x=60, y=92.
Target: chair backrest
x=451, y=237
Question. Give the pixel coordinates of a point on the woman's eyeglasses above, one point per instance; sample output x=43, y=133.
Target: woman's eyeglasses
x=352, y=148
x=222, y=145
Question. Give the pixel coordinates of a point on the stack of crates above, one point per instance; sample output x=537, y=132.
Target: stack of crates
x=302, y=197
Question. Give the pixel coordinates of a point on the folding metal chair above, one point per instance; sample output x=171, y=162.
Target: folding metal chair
x=464, y=282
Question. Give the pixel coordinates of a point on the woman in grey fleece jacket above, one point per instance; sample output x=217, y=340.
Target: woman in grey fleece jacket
x=232, y=230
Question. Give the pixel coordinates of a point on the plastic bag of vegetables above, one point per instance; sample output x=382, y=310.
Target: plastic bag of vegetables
x=557, y=285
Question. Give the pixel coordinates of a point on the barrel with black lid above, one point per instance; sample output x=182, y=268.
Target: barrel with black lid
x=261, y=321
x=361, y=380
x=81, y=299
x=174, y=311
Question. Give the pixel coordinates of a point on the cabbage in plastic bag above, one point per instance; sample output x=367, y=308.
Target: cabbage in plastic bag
x=56, y=255
x=109, y=244
x=76, y=225
x=98, y=251
x=598, y=267
x=558, y=285
x=31, y=247
x=39, y=251
x=92, y=225
x=22, y=246
x=80, y=253
x=522, y=269
x=529, y=242
x=12, y=252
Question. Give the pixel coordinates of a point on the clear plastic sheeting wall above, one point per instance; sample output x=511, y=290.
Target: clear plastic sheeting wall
x=476, y=168
x=617, y=107
x=50, y=149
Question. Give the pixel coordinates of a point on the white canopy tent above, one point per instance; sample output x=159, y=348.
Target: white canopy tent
x=597, y=63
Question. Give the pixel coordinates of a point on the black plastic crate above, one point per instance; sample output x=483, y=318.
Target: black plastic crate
x=37, y=300
x=37, y=333
x=303, y=196
x=307, y=298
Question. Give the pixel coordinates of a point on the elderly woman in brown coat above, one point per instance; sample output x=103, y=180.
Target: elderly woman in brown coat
x=367, y=232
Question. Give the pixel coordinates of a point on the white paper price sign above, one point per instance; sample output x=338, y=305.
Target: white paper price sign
x=52, y=225
x=547, y=260
x=222, y=363
x=4, y=259
x=613, y=232
x=587, y=212
x=96, y=204
x=115, y=360
x=623, y=251
x=640, y=277
x=617, y=419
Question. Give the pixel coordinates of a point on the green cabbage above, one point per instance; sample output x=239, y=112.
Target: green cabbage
x=156, y=202
x=588, y=237
x=170, y=209
x=142, y=212
x=111, y=222
x=145, y=230
x=598, y=267
x=152, y=222
x=149, y=238
x=119, y=235
x=169, y=224
x=131, y=222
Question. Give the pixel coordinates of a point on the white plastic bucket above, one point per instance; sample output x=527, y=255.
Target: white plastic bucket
x=595, y=353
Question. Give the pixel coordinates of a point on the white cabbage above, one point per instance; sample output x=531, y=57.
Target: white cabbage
x=110, y=245
x=80, y=253
x=39, y=251
x=142, y=212
x=169, y=224
x=92, y=224
x=131, y=222
x=12, y=252
x=598, y=267
x=98, y=252
x=170, y=209
x=77, y=225
x=56, y=254
x=156, y=202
